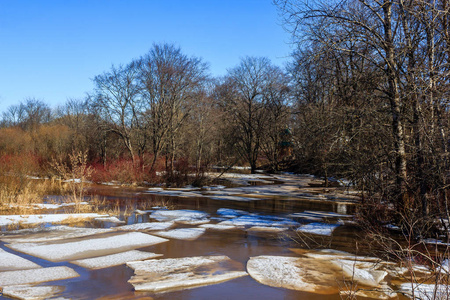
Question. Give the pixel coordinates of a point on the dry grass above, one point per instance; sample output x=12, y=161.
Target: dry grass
x=19, y=193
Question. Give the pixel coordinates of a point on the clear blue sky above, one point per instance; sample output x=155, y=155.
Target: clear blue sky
x=50, y=50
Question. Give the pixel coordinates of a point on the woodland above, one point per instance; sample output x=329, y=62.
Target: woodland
x=364, y=99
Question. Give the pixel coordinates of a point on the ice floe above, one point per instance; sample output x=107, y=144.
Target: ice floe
x=110, y=220
x=231, y=213
x=9, y=262
x=320, y=275
x=56, y=206
x=214, y=187
x=73, y=250
x=181, y=192
x=435, y=242
x=259, y=220
x=182, y=216
x=36, y=275
x=149, y=226
x=182, y=233
x=425, y=291
x=362, y=273
x=6, y=220
x=114, y=259
x=318, y=228
x=52, y=233
x=30, y=292
x=159, y=275
x=294, y=273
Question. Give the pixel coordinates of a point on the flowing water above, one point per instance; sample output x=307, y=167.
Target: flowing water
x=239, y=245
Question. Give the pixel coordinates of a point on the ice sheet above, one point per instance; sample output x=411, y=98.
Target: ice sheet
x=231, y=213
x=182, y=233
x=6, y=220
x=183, y=216
x=182, y=273
x=52, y=233
x=110, y=220
x=9, y=262
x=36, y=275
x=425, y=291
x=114, y=259
x=259, y=220
x=29, y=292
x=88, y=247
x=147, y=226
x=294, y=273
x=318, y=228
x=367, y=276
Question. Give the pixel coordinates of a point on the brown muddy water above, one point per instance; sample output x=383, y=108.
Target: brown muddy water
x=239, y=245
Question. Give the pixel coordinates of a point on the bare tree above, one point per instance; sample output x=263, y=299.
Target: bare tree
x=117, y=99
x=244, y=95
x=170, y=81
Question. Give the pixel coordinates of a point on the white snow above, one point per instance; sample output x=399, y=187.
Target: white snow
x=89, y=247
x=29, y=292
x=182, y=233
x=147, y=226
x=425, y=291
x=183, y=216
x=56, y=206
x=435, y=242
x=231, y=213
x=292, y=273
x=109, y=220
x=318, y=228
x=6, y=220
x=259, y=220
x=366, y=276
x=52, y=233
x=36, y=275
x=114, y=259
x=181, y=273
x=9, y=261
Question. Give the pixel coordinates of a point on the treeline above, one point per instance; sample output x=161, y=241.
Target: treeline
x=372, y=83
x=161, y=112
x=364, y=97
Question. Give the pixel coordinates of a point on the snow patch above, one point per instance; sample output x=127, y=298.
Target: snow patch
x=6, y=220
x=29, y=292
x=72, y=250
x=36, y=275
x=114, y=259
x=425, y=291
x=52, y=233
x=182, y=233
x=181, y=273
x=109, y=220
x=318, y=228
x=183, y=216
x=258, y=220
x=292, y=273
x=9, y=262
x=146, y=226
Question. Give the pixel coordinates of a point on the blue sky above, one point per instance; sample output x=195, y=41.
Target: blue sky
x=50, y=50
